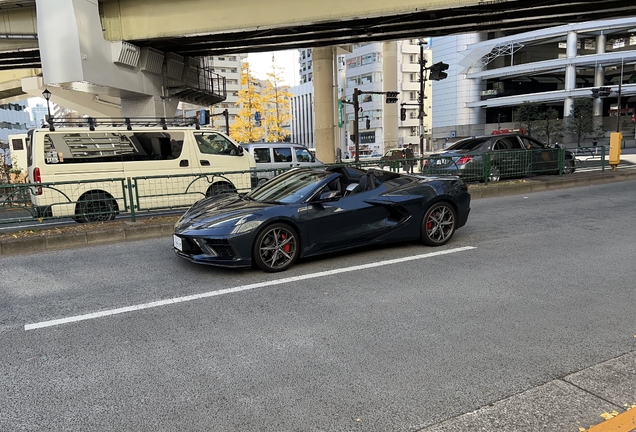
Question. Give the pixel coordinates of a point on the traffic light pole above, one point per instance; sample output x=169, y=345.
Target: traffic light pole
x=356, y=110
x=421, y=98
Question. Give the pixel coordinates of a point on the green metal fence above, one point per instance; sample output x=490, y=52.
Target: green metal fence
x=103, y=199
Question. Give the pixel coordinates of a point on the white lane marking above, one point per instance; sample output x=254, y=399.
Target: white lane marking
x=166, y=302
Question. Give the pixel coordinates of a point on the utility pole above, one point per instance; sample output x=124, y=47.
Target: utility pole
x=421, y=98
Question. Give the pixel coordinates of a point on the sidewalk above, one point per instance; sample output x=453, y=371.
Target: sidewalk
x=579, y=401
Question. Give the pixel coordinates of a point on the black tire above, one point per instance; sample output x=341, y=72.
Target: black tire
x=276, y=248
x=438, y=224
x=96, y=207
x=220, y=188
x=494, y=175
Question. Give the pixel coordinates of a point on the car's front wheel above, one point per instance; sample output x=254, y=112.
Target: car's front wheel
x=438, y=224
x=276, y=248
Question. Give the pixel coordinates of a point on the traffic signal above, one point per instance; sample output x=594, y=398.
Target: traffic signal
x=402, y=114
x=391, y=96
x=604, y=91
x=595, y=92
x=204, y=117
x=368, y=123
x=437, y=71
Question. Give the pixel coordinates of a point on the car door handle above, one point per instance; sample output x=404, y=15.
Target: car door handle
x=205, y=163
x=184, y=163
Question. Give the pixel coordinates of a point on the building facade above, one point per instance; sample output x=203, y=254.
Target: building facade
x=373, y=69
x=490, y=75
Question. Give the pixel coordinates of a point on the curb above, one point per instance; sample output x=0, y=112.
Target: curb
x=143, y=232
x=67, y=241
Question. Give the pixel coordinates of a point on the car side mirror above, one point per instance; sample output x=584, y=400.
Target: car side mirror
x=329, y=196
x=241, y=151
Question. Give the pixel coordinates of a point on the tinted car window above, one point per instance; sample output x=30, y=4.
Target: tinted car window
x=282, y=154
x=302, y=155
x=530, y=143
x=261, y=155
x=467, y=144
x=508, y=143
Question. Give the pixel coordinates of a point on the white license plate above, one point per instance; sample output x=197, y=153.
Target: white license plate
x=178, y=243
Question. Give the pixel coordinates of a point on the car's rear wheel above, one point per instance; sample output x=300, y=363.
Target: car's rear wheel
x=494, y=175
x=276, y=248
x=568, y=166
x=438, y=224
x=95, y=207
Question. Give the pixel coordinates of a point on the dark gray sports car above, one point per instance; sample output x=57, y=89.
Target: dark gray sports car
x=308, y=212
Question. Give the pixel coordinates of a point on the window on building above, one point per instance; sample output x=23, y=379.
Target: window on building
x=414, y=77
x=413, y=95
x=414, y=131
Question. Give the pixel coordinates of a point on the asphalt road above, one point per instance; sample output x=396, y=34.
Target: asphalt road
x=543, y=287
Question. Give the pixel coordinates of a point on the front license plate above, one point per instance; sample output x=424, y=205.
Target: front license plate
x=178, y=243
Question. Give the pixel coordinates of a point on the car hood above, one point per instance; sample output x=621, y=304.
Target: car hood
x=217, y=210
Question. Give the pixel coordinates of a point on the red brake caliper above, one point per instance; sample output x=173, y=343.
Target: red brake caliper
x=429, y=223
x=287, y=247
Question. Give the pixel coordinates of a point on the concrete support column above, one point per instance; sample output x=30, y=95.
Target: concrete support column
x=324, y=103
x=390, y=83
x=599, y=75
x=570, y=72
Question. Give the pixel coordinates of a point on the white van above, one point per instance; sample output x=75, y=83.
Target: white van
x=85, y=170
x=18, y=151
x=279, y=156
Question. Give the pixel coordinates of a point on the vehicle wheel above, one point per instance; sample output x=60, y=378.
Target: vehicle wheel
x=262, y=181
x=220, y=188
x=438, y=224
x=494, y=175
x=275, y=248
x=96, y=207
x=568, y=167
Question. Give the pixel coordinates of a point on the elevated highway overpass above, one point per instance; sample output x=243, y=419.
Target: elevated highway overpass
x=139, y=54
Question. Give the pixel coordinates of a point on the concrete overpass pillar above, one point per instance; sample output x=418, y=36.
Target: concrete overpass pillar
x=390, y=83
x=599, y=75
x=570, y=72
x=324, y=103
x=76, y=58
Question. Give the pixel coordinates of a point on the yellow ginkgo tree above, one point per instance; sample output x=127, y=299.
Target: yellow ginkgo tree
x=277, y=106
x=246, y=127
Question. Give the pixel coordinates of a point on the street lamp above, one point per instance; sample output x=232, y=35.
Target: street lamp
x=47, y=95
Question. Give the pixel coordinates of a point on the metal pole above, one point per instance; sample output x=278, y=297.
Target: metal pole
x=618, y=105
x=356, y=110
x=421, y=98
x=226, y=114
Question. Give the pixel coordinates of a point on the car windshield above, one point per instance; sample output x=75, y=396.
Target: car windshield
x=291, y=187
x=466, y=144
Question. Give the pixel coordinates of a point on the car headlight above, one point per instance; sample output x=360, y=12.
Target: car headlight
x=246, y=226
x=237, y=224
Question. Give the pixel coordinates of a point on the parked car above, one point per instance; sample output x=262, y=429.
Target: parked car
x=391, y=156
x=306, y=212
x=274, y=156
x=511, y=155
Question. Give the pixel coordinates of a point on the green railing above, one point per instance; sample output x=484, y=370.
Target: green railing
x=102, y=200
